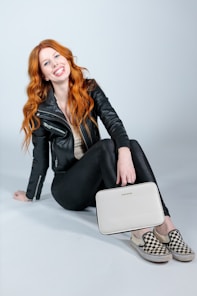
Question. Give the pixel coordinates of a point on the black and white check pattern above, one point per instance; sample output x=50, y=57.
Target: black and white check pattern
x=177, y=243
x=152, y=245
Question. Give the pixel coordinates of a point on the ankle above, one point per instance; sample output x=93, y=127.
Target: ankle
x=139, y=232
x=166, y=227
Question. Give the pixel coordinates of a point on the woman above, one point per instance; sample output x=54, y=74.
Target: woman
x=62, y=109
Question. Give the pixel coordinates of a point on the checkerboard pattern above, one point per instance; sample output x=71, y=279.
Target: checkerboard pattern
x=152, y=245
x=177, y=243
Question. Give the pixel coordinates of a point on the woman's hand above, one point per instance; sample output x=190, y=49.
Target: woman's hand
x=21, y=196
x=125, y=168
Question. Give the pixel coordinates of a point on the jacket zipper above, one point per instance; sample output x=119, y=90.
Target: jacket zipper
x=56, y=162
x=66, y=125
x=57, y=117
x=53, y=128
x=83, y=138
x=37, y=186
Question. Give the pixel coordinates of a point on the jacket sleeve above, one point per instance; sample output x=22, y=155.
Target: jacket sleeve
x=40, y=163
x=110, y=118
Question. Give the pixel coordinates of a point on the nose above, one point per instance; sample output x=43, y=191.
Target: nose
x=55, y=63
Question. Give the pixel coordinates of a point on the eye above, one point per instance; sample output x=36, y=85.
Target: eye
x=57, y=55
x=46, y=63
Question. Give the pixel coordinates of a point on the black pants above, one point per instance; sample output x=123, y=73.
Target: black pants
x=75, y=189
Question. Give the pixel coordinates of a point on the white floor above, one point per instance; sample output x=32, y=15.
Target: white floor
x=47, y=251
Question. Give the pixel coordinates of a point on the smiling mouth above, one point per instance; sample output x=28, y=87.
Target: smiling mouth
x=59, y=71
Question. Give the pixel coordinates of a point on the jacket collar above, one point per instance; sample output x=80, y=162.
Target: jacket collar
x=50, y=105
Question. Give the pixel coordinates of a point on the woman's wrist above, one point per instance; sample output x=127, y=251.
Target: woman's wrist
x=123, y=148
x=123, y=151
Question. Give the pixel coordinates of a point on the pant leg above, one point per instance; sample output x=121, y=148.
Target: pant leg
x=143, y=169
x=76, y=188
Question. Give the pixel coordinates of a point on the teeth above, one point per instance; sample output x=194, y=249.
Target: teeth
x=59, y=71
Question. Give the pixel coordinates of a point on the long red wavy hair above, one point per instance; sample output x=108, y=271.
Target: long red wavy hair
x=79, y=102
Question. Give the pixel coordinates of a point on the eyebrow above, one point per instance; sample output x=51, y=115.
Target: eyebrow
x=43, y=60
x=48, y=59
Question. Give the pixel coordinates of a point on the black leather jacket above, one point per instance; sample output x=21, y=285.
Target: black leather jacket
x=55, y=133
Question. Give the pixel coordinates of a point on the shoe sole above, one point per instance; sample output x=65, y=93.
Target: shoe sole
x=176, y=256
x=183, y=258
x=152, y=258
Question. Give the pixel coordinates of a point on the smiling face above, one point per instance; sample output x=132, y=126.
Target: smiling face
x=54, y=66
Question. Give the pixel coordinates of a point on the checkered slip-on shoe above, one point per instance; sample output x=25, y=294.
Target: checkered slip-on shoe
x=150, y=248
x=175, y=243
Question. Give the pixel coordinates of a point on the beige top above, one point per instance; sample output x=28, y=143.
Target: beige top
x=78, y=143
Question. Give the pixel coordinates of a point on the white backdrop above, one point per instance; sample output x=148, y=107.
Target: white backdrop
x=144, y=55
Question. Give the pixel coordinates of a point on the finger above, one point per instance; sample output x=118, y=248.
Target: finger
x=123, y=181
x=134, y=178
x=118, y=178
x=130, y=179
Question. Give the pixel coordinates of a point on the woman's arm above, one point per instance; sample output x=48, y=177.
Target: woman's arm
x=109, y=118
x=40, y=164
x=125, y=168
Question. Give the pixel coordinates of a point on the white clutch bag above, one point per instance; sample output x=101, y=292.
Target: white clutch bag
x=128, y=208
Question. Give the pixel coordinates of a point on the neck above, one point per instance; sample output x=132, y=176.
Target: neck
x=61, y=92
x=61, y=95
